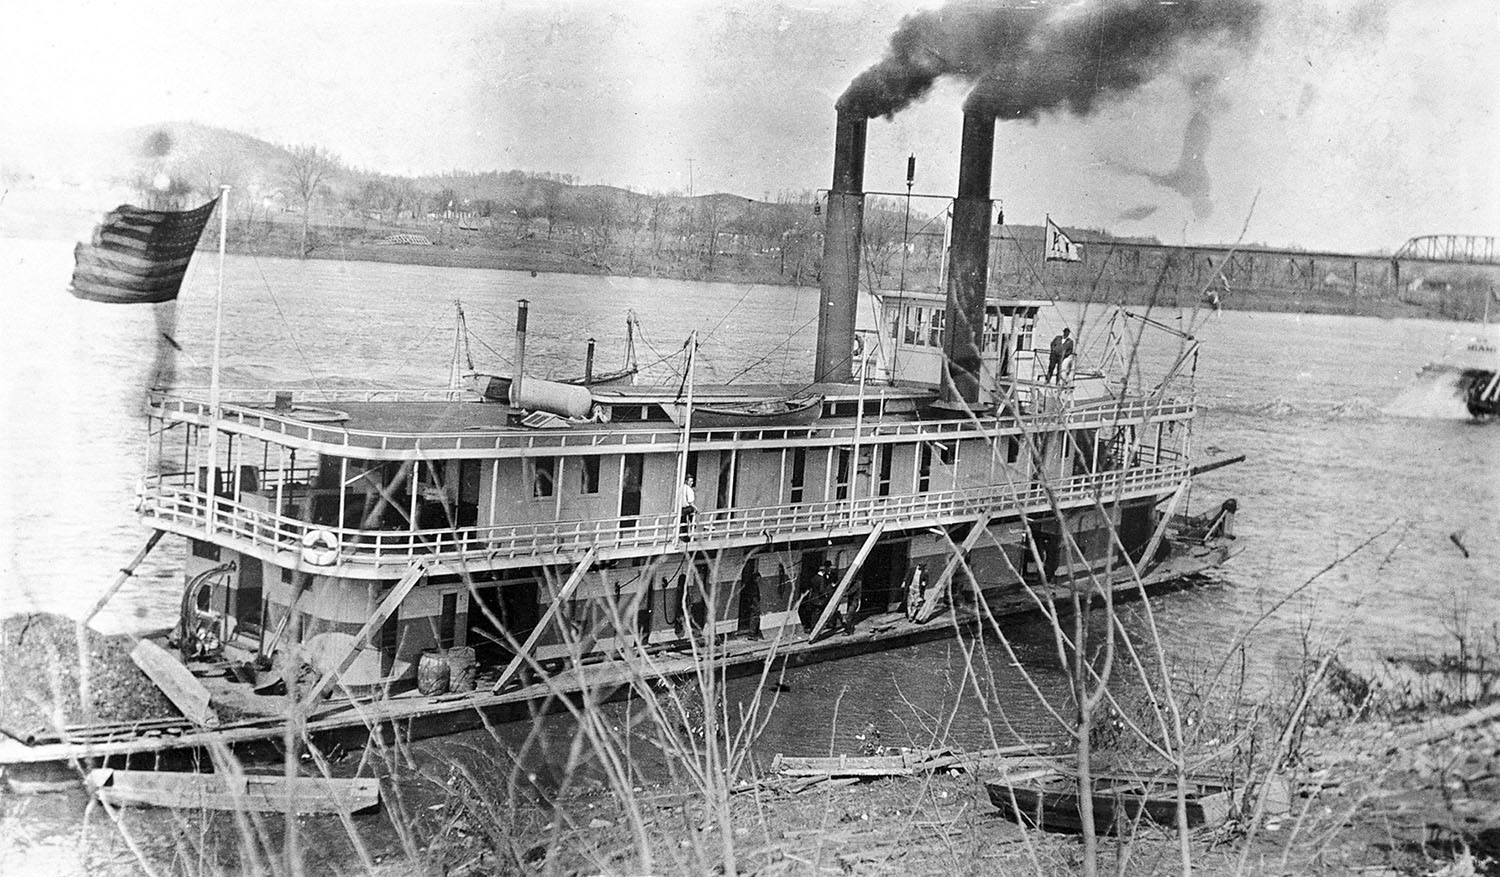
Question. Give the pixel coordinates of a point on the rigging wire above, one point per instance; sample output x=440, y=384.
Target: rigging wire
x=306, y=361
x=661, y=358
x=784, y=345
x=411, y=351
x=726, y=316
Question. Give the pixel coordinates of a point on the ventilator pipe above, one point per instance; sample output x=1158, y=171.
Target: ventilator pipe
x=515, y=380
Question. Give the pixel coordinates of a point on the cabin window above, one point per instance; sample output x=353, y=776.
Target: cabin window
x=206, y=550
x=543, y=473
x=924, y=468
x=913, y=325
x=892, y=322
x=448, y=621
x=1026, y=324
x=1012, y=448
x=841, y=476
x=990, y=340
x=935, y=328
x=883, y=485
x=799, y=473
x=947, y=452
x=589, y=475
x=468, y=485
x=725, y=492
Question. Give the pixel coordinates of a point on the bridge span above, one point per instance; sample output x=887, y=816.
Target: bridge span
x=1467, y=249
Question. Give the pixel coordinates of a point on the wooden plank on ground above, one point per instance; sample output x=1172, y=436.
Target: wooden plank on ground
x=175, y=681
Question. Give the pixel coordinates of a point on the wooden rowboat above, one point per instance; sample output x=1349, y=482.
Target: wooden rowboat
x=752, y=414
x=243, y=792
x=1120, y=802
x=496, y=388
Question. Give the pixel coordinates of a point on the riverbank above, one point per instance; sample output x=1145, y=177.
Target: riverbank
x=543, y=255
x=574, y=251
x=1367, y=801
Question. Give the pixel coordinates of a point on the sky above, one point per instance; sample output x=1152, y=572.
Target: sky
x=1342, y=126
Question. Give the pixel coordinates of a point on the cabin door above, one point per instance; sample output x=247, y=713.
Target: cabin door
x=248, y=594
x=747, y=613
x=882, y=576
x=810, y=588
x=1046, y=549
x=633, y=470
x=494, y=609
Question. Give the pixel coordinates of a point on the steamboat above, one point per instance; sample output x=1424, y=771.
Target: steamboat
x=426, y=559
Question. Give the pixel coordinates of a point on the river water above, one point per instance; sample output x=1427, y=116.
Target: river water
x=1343, y=450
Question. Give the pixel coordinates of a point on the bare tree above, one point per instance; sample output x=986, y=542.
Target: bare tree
x=306, y=168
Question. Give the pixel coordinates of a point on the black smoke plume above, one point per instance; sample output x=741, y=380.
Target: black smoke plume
x=1028, y=59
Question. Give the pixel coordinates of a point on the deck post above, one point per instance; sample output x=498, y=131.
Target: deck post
x=940, y=587
x=849, y=575
x=387, y=606
x=568, y=588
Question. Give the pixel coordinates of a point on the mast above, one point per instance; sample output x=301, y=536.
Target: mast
x=213, y=380
x=630, y=340
x=687, y=426
x=460, y=350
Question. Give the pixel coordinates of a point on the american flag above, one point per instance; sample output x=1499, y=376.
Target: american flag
x=138, y=255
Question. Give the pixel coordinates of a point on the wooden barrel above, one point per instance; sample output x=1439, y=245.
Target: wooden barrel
x=432, y=672
x=461, y=669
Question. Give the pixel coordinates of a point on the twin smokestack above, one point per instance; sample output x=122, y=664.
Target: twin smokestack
x=1026, y=60
x=968, y=256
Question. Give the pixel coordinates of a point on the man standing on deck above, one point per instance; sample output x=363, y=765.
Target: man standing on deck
x=689, y=508
x=1062, y=348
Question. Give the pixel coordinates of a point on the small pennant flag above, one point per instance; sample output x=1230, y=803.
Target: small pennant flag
x=1060, y=248
x=138, y=255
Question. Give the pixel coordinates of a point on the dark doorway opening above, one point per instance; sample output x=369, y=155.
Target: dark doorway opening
x=495, y=609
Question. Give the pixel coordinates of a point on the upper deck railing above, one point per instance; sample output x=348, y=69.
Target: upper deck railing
x=582, y=440
x=172, y=502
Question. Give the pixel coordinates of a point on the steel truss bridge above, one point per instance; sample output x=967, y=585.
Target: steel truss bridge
x=1468, y=249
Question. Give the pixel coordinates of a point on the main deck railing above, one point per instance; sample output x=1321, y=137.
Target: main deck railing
x=579, y=440
x=173, y=502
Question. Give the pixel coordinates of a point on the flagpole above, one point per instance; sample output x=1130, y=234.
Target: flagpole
x=213, y=380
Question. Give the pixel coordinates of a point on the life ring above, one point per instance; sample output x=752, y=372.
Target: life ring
x=320, y=548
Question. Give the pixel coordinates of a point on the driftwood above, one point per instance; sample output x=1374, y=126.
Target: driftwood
x=1447, y=727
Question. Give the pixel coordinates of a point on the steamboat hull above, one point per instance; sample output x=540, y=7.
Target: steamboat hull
x=411, y=715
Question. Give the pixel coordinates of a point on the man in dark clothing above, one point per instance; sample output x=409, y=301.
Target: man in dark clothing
x=1062, y=348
